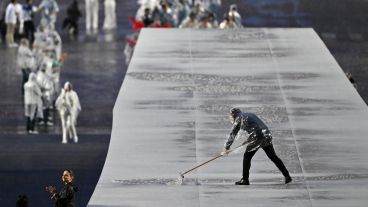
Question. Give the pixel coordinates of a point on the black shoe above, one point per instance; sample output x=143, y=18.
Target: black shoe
x=288, y=179
x=242, y=182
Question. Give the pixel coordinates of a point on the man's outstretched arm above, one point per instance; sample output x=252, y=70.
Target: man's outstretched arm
x=234, y=131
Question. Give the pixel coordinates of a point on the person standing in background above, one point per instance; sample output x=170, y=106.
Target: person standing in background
x=234, y=14
x=92, y=16
x=110, y=15
x=10, y=21
x=22, y=201
x=32, y=97
x=25, y=60
x=71, y=21
x=49, y=8
x=29, y=28
x=69, y=108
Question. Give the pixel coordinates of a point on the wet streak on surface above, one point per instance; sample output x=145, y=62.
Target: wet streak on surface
x=171, y=114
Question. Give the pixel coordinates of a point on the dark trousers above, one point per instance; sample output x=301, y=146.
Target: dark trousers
x=29, y=30
x=46, y=113
x=31, y=122
x=25, y=72
x=270, y=152
x=69, y=23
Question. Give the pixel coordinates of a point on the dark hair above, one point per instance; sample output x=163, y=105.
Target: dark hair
x=235, y=111
x=22, y=201
x=192, y=15
x=70, y=172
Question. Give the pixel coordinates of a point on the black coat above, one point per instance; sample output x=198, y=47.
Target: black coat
x=65, y=198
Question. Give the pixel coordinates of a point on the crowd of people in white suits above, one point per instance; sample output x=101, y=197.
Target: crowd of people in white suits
x=40, y=58
x=41, y=67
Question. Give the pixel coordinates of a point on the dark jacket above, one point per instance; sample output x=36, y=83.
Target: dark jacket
x=65, y=198
x=258, y=133
x=73, y=11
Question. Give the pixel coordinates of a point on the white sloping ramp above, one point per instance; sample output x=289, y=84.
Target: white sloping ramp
x=171, y=114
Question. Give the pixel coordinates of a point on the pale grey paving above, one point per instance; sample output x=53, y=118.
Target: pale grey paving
x=171, y=113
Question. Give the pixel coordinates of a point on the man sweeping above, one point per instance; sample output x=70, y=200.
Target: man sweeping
x=259, y=137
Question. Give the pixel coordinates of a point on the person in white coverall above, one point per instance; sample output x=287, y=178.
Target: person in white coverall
x=49, y=9
x=53, y=59
x=47, y=89
x=234, y=14
x=32, y=99
x=92, y=15
x=110, y=15
x=25, y=60
x=69, y=108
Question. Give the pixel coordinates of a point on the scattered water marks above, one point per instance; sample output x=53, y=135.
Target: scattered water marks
x=240, y=138
x=157, y=181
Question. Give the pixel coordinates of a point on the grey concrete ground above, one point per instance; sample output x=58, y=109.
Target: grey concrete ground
x=172, y=114
x=20, y=153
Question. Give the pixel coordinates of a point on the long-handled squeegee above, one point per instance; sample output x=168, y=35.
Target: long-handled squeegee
x=210, y=160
